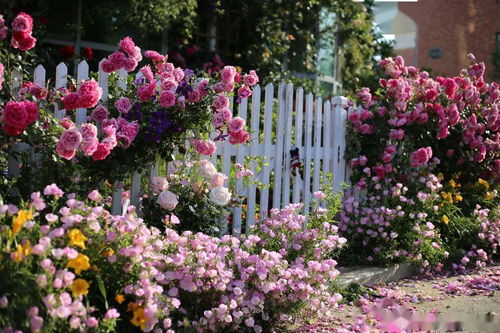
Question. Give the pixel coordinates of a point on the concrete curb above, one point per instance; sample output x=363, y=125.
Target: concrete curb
x=368, y=276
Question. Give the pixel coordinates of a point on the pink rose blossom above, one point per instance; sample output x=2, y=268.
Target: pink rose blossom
x=22, y=23
x=228, y=74
x=421, y=156
x=100, y=113
x=71, y=139
x=221, y=102
x=88, y=131
x=244, y=92
x=167, y=98
x=123, y=105
x=238, y=137
x=63, y=152
x=204, y=147
x=70, y=101
x=89, y=146
x=101, y=152
x=251, y=79
x=236, y=124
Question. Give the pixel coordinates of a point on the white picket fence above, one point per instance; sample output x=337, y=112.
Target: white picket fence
x=315, y=126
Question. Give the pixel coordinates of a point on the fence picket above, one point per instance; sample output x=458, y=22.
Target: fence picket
x=308, y=152
x=240, y=155
x=299, y=115
x=278, y=156
x=61, y=82
x=268, y=125
x=122, y=79
x=102, y=78
x=116, y=203
x=327, y=134
x=135, y=188
x=285, y=194
x=39, y=75
x=339, y=143
x=317, y=143
x=254, y=151
x=83, y=74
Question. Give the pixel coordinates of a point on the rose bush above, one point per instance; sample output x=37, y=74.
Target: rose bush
x=67, y=263
x=424, y=155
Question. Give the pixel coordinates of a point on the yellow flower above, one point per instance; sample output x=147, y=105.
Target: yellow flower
x=20, y=219
x=445, y=219
x=452, y=183
x=440, y=176
x=458, y=197
x=79, y=287
x=139, y=319
x=484, y=183
x=489, y=195
x=447, y=196
x=79, y=264
x=119, y=298
x=77, y=238
x=22, y=251
x=108, y=252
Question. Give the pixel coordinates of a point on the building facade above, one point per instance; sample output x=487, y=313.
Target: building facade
x=438, y=34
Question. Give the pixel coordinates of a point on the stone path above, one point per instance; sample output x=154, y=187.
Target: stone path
x=463, y=303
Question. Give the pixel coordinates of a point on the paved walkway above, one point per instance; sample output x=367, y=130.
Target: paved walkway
x=464, y=303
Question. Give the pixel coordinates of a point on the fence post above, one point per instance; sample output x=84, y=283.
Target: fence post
x=317, y=143
x=240, y=155
x=278, y=157
x=285, y=197
x=268, y=126
x=254, y=151
x=61, y=82
x=299, y=116
x=308, y=152
x=83, y=74
x=339, y=125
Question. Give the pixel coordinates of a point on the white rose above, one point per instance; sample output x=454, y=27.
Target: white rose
x=220, y=195
x=167, y=200
x=158, y=184
x=207, y=169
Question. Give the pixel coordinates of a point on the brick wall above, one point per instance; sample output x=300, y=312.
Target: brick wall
x=456, y=27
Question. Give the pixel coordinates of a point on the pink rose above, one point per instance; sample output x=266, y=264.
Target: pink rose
x=244, y=92
x=3, y=33
x=194, y=96
x=221, y=102
x=100, y=113
x=158, y=184
x=146, y=91
x=421, y=156
x=218, y=179
x=117, y=59
x=123, y=105
x=178, y=74
x=239, y=137
x=89, y=94
x=70, y=101
x=110, y=142
x=22, y=23
x=251, y=79
x=101, y=152
x=236, y=124
x=94, y=195
x=167, y=200
x=88, y=131
x=63, y=152
x=2, y=68
x=15, y=115
x=167, y=98
x=127, y=45
x=67, y=123
x=71, y=139
x=218, y=120
x=147, y=72
x=131, y=130
x=111, y=123
x=154, y=56
x=108, y=66
x=23, y=41
x=123, y=140
x=169, y=84
x=89, y=146
x=38, y=92
x=131, y=65
x=204, y=147
x=228, y=73
x=32, y=110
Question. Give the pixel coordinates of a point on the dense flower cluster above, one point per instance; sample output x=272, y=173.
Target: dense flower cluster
x=424, y=151
x=22, y=27
x=71, y=250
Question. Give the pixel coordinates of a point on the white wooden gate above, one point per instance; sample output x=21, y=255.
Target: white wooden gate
x=278, y=120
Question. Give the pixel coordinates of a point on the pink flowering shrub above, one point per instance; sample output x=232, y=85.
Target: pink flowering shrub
x=423, y=152
x=193, y=196
x=70, y=263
